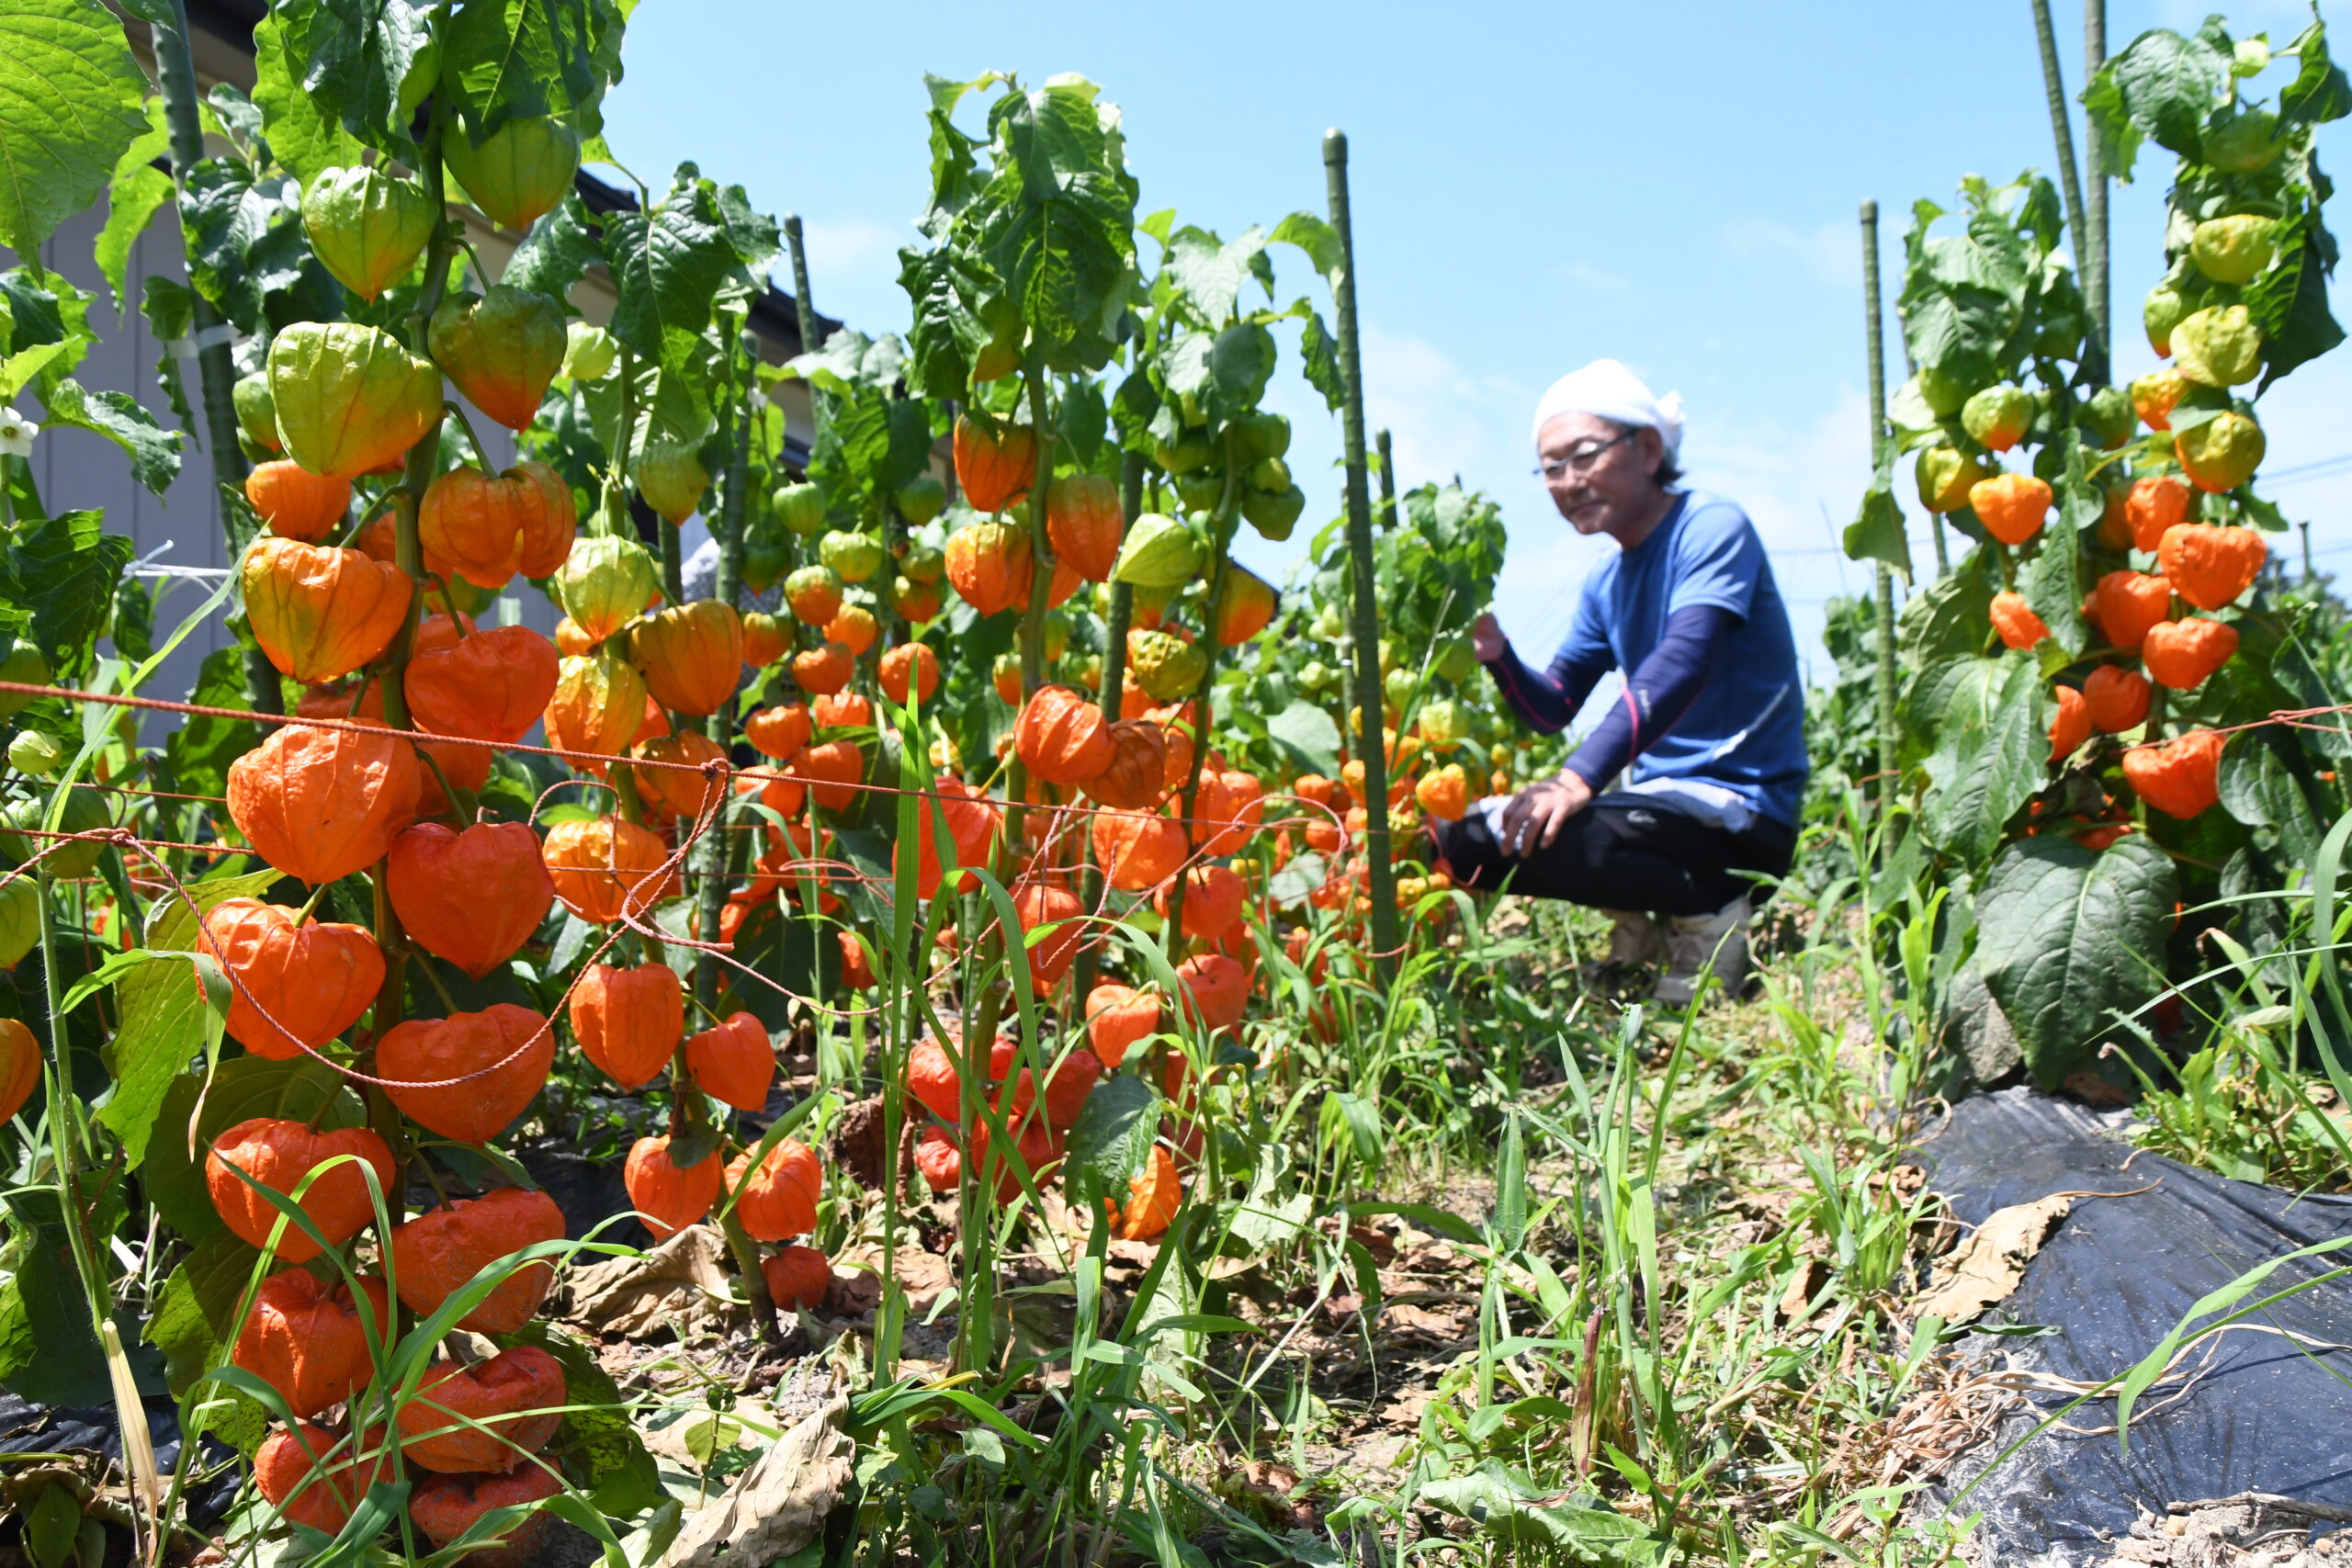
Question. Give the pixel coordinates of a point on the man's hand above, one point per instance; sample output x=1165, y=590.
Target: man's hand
x=1536, y=814
x=1486, y=637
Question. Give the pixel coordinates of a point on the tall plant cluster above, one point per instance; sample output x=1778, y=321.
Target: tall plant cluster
x=2085, y=748
x=1009, y=822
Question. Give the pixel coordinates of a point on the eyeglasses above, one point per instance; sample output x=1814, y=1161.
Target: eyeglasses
x=1579, y=459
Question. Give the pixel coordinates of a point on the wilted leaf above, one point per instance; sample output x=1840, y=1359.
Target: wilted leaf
x=779, y=1505
x=1985, y=1268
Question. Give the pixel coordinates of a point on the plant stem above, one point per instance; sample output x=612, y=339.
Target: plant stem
x=674, y=564
x=1203, y=694
x=1883, y=577
x=216, y=369
x=409, y=550
x=1373, y=752
x=746, y=1254
x=1041, y=546
x=1123, y=599
x=1114, y=690
x=1041, y=587
x=2070, y=179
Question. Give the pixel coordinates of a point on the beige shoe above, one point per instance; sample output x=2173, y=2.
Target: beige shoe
x=1700, y=945
x=1634, y=938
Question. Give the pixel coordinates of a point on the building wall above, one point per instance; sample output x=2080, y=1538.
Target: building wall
x=178, y=532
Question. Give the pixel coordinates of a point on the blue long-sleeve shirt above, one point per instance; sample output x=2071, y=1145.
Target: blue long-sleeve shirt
x=1656, y=695
x=1712, y=691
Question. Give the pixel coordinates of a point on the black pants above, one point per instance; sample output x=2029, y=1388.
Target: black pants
x=1624, y=851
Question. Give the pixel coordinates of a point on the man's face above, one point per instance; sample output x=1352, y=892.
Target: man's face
x=1599, y=473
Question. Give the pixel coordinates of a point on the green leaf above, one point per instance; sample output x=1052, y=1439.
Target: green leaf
x=1877, y=532
x=358, y=55
x=556, y=253
x=70, y=102
x=523, y=60
x=19, y=369
x=243, y=1087
x=47, y=1351
x=2119, y=139
x=1319, y=353
x=154, y=452
x=65, y=571
x=1510, y=1217
x=2166, y=85
x=166, y=1022
x=1240, y=363
x=1212, y=273
x=1056, y=222
x=1987, y=764
x=245, y=243
x=754, y=235
x=1437, y=1221
x=1112, y=1139
x=2066, y=935
x=194, y=1317
x=2259, y=789
x=1310, y=735
x=1509, y=1506
x=131, y=207
x=132, y=629
x=306, y=133
x=1949, y=617
x=1315, y=237
x=1305, y=872
x=2052, y=580
x=2289, y=301
x=2319, y=92
x=668, y=266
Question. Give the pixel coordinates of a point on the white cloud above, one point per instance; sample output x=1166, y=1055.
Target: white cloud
x=853, y=247
x=1599, y=279
x=1831, y=252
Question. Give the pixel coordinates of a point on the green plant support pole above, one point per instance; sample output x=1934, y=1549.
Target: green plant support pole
x=812, y=331
x=1371, y=751
x=1883, y=576
x=2070, y=179
x=812, y=338
x=216, y=369
x=710, y=854
x=2096, y=287
x=727, y=531
x=1387, y=484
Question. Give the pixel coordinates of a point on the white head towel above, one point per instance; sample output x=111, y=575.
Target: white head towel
x=1606, y=389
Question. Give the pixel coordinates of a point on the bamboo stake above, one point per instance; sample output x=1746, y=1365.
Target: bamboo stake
x=1387, y=484
x=1372, y=750
x=2070, y=178
x=2095, y=282
x=1883, y=576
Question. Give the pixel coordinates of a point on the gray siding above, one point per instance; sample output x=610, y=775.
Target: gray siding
x=77, y=469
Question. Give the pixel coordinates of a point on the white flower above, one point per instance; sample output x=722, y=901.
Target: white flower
x=17, y=435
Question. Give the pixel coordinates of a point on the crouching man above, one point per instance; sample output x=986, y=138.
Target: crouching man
x=1710, y=724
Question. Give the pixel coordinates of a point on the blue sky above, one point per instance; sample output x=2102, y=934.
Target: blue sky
x=1673, y=185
